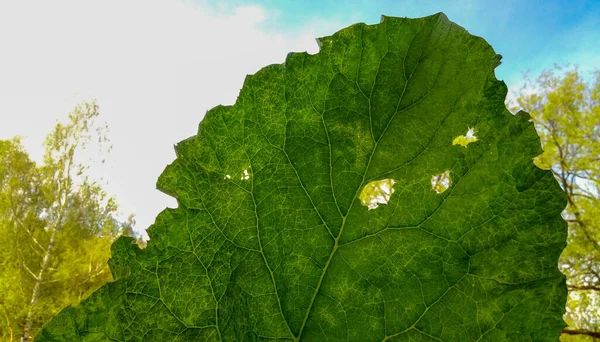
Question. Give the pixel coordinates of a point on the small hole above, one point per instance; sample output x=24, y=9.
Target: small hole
x=245, y=175
x=141, y=243
x=464, y=140
x=441, y=182
x=376, y=193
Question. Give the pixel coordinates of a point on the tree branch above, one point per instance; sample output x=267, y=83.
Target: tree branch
x=30, y=272
x=20, y=221
x=583, y=288
x=581, y=332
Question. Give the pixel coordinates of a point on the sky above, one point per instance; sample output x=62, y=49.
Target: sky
x=156, y=66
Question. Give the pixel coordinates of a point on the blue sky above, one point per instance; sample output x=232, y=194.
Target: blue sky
x=530, y=35
x=156, y=66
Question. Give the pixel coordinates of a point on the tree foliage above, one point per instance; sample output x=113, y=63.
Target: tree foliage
x=56, y=227
x=564, y=104
x=336, y=201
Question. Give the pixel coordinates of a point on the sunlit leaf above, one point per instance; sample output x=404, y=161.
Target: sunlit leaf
x=272, y=239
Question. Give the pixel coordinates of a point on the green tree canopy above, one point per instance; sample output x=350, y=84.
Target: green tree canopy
x=56, y=227
x=565, y=106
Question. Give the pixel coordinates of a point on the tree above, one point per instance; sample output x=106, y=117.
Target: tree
x=564, y=104
x=56, y=226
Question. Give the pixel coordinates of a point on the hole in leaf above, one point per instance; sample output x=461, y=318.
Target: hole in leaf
x=376, y=193
x=227, y=177
x=441, y=182
x=464, y=140
x=141, y=243
x=245, y=175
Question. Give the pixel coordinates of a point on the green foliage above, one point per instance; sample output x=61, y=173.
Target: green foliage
x=51, y=212
x=565, y=107
x=330, y=204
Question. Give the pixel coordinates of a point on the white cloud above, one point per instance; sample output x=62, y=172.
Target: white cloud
x=154, y=66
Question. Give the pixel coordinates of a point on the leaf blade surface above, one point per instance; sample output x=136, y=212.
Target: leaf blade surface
x=271, y=239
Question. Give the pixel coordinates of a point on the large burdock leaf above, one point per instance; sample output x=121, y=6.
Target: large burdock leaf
x=376, y=191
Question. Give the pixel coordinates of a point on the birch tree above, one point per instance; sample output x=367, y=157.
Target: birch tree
x=57, y=225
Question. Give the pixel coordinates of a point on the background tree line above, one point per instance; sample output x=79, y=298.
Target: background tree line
x=564, y=104
x=57, y=225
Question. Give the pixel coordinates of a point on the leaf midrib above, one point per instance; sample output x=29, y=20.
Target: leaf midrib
x=336, y=239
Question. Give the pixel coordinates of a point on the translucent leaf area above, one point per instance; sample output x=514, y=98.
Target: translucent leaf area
x=277, y=238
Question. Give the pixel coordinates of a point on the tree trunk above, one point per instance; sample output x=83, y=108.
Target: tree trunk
x=36, y=289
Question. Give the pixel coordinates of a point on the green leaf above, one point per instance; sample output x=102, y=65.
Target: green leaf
x=275, y=237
